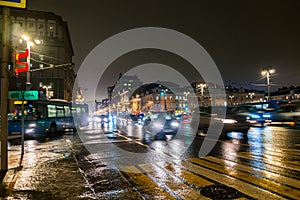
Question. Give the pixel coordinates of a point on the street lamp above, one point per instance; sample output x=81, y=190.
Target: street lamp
x=28, y=45
x=231, y=97
x=47, y=87
x=163, y=93
x=202, y=86
x=266, y=72
x=251, y=96
x=186, y=101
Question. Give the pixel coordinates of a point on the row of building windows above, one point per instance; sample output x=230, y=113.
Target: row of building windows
x=40, y=28
x=158, y=97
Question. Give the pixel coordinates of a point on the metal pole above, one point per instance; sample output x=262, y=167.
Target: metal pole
x=28, y=84
x=4, y=89
x=268, y=83
x=23, y=129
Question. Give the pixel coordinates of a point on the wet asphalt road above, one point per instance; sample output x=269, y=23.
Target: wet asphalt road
x=128, y=164
x=262, y=164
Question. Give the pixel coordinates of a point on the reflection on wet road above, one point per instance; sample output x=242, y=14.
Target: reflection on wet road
x=263, y=164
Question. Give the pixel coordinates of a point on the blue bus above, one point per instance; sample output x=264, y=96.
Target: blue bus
x=47, y=117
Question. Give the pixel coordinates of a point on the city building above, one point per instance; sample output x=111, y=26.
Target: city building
x=52, y=72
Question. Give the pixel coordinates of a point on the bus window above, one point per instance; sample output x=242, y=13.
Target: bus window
x=67, y=111
x=60, y=111
x=51, y=111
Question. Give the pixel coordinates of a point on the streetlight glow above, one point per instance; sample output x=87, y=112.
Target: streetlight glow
x=29, y=44
x=267, y=71
x=25, y=37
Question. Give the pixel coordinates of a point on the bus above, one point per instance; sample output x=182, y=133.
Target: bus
x=47, y=117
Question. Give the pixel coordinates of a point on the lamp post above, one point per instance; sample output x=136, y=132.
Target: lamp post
x=47, y=87
x=202, y=86
x=231, y=97
x=251, y=94
x=186, y=101
x=28, y=46
x=266, y=72
x=163, y=93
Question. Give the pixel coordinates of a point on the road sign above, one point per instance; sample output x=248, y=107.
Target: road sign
x=17, y=95
x=13, y=3
x=31, y=95
x=28, y=95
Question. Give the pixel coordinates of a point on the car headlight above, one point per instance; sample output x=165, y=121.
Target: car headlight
x=229, y=121
x=255, y=116
x=174, y=124
x=31, y=125
x=266, y=115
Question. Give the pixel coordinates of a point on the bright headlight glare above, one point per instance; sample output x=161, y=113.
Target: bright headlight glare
x=31, y=125
x=175, y=124
x=229, y=121
x=255, y=116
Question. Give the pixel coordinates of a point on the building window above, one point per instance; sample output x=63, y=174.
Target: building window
x=41, y=26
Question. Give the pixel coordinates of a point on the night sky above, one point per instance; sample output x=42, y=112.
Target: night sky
x=242, y=37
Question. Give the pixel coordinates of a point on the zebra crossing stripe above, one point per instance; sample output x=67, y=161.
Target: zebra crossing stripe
x=242, y=186
x=145, y=184
x=268, y=175
x=269, y=185
x=176, y=185
x=271, y=161
x=187, y=176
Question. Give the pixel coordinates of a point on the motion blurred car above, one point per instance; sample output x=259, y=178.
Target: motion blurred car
x=254, y=115
x=233, y=121
x=287, y=114
x=161, y=124
x=137, y=119
x=99, y=119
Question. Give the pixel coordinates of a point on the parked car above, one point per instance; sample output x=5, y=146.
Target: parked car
x=287, y=114
x=160, y=124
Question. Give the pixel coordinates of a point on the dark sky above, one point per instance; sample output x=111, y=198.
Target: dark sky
x=242, y=37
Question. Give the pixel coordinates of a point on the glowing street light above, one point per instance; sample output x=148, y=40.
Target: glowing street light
x=251, y=94
x=266, y=72
x=163, y=93
x=29, y=43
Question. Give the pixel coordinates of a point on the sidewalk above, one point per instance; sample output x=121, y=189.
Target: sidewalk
x=48, y=170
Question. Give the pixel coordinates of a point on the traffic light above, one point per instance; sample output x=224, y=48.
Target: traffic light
x=21, y=62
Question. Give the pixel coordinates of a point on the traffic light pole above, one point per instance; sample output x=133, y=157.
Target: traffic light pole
x=4, y=89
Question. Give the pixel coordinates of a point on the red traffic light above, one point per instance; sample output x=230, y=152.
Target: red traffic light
x=21, y=65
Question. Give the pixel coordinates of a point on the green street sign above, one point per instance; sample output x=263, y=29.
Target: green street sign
x=31, y=95
x=23, y=94
x=17, y=95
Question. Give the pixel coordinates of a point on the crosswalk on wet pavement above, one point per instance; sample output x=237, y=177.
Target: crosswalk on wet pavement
x=62, y=168
x=250, y=172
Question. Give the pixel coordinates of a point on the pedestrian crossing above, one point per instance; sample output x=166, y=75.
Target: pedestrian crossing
x=237, y=170
x=187, y=179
